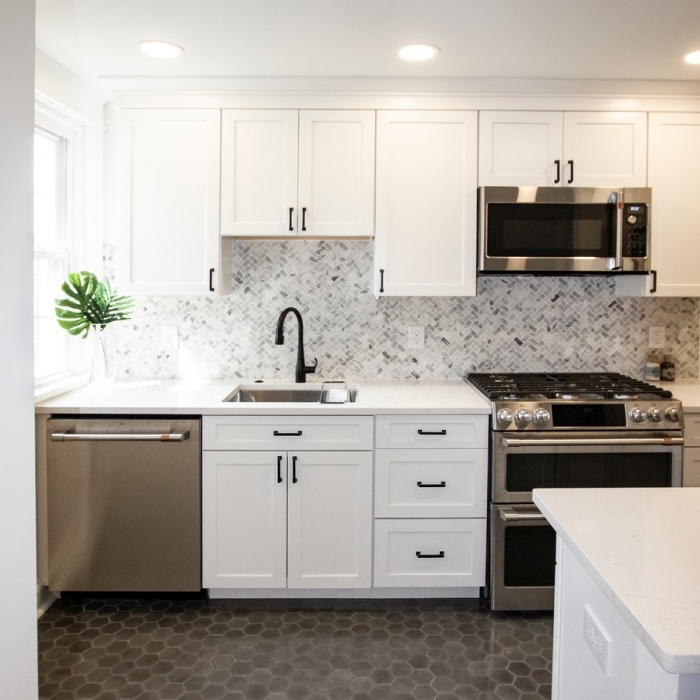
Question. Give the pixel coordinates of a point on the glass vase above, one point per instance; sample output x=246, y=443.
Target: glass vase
x=102, y=370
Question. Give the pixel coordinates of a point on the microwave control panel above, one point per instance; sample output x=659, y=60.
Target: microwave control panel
x=634, y=231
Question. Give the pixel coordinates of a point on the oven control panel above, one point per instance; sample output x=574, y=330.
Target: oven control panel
x=587, y=415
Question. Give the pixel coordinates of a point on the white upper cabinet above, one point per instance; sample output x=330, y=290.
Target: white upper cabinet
x=259, y=172
x=425, y=241
x=289, y=173
x=569, y=149
x=167, y=202
x=674, y=178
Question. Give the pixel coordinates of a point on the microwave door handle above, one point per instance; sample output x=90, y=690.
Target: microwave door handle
x=619, y=224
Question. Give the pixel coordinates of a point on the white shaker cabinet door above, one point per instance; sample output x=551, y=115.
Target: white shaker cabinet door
x=425, y=242
x=330, y=520
x=605, y=149
x=520, y=149
x=674, y=179
x=336, y=173
x=167, y=202
x=259, y=152
x=244, y=519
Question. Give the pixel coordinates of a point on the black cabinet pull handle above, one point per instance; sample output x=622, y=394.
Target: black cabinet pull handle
x=435, y=432
x=431, y=556
x=558, y=179
x=381, y=281
x=441, y=485
x=570, y=163
x=294, y=470
x=303, y=218
x=291, y=213
x=211, y=279
x=653, y=282
x=279, y=469
x=277, y=433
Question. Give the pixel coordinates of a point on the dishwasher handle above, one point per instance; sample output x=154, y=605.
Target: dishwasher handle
x=65, y=436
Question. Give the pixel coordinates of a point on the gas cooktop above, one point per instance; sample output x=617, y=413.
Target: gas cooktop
x=564, y=386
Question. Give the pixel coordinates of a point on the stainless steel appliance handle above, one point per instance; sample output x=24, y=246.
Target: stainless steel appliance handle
x=124, y=437
x=620, y=225
x=583, y=442
x=509, y=514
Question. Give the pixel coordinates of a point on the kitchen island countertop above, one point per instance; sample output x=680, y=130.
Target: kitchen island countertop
x=640, y=547
x=180, y=397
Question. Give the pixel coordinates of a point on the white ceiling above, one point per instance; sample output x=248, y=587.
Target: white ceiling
x=568, y=39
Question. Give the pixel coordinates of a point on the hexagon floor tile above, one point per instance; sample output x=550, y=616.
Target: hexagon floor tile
x=177, y=649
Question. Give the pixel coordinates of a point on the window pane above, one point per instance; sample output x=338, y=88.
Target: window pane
x=50, y=348
x=49, y=191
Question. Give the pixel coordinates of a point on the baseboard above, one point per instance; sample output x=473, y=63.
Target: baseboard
x=355, y=593
x=44, y=600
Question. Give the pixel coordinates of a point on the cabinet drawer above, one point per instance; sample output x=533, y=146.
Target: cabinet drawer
x=430, y=484
x=691, y=466
x=691, y=430
x=448, y=552
x=287, y=433
x=432, y=431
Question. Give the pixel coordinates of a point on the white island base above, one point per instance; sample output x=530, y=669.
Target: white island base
x=627, y=607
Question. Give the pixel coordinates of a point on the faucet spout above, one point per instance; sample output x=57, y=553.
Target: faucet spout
x=302, y=368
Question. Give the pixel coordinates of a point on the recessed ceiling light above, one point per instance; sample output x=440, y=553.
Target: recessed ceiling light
x=693, y=57
x=419, y=52
x=161, y=49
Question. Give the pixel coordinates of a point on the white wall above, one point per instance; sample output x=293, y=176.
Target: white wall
x=18, y=665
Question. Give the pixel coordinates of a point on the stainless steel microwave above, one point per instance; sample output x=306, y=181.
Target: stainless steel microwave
x=564, y=230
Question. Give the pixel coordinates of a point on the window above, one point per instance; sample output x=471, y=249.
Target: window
x=51, y=251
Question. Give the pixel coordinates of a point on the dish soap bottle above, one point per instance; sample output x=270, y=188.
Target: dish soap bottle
x=668, y=369
x=652, y=369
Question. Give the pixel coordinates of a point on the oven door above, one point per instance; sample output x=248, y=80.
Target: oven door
x=523, y=551
x=582, y=460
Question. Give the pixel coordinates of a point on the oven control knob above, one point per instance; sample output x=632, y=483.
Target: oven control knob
x=638, y=415
x=673, y=414
x=542, y=416
x=656, y=414
x=631, y=219
x=505, y=416
x=523, y=416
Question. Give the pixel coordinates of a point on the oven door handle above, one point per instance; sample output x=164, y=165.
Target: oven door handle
x=585, y=442
x=510, y=515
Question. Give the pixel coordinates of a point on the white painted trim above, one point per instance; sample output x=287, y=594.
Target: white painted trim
x=44, y=600
x=344, y=593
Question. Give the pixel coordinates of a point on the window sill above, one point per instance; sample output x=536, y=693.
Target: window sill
x=60, y=385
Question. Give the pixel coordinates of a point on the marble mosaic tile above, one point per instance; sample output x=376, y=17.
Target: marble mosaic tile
x=514, y=324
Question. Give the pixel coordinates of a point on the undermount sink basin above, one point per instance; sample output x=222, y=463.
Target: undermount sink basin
x=307, y=395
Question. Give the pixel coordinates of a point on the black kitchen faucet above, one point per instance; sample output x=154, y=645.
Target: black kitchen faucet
x=302, y=369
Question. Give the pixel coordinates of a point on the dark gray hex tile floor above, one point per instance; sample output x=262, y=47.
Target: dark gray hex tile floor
x=147, y=649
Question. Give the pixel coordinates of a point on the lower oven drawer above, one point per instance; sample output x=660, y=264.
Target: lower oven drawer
x=449, y=552
x=523, y=558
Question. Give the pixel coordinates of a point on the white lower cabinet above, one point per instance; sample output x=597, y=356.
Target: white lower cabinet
x=287, y=518
x=430, y=501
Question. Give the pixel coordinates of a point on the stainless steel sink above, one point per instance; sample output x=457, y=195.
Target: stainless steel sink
x=279, y=395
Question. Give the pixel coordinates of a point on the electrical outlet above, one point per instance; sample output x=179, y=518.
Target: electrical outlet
x=168, y=338
x=416, y=336
x=597, y=639
x=657, y=337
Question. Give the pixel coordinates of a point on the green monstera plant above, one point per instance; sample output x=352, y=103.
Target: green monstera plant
x=90, y=303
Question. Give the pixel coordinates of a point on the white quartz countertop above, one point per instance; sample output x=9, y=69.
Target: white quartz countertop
x=641, y=548
x=207, y=397
x=687, y=392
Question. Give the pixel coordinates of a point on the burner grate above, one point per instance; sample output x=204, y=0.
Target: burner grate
x=572, y=386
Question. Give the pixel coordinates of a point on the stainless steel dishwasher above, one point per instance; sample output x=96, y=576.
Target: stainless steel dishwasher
x=124, y=499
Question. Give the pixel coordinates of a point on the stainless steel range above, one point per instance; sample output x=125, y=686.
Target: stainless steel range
x=565, y=431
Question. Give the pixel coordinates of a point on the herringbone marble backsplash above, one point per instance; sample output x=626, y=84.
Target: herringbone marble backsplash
x=514, y=324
